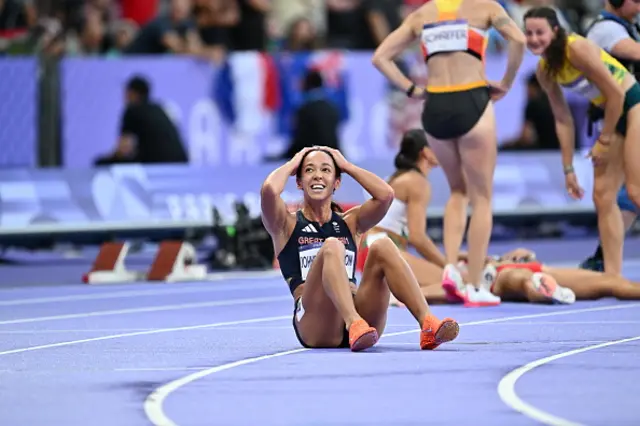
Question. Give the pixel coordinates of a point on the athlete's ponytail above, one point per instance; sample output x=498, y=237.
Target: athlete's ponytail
x=411, y=146
x=555, y=53
x=335, y=207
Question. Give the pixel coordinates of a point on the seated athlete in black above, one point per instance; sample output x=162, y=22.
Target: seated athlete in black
x=317, y=249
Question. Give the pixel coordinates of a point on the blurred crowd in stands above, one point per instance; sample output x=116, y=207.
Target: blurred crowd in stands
x=212, y=28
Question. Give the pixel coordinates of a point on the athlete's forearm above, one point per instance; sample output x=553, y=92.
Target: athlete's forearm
x=429, y=250
x=566, y=137
x=376, y=187
x=514, y=60
x=390, y=70
x=277, y=179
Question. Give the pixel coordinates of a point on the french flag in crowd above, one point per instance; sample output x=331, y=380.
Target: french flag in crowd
x=250, y=84
x=246, y=88
x=292, y=68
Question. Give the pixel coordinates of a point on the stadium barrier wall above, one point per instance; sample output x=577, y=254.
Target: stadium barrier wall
x=46, y=201
x=19, y=101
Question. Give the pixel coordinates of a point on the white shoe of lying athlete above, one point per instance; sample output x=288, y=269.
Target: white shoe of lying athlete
x=548, y=287
x=453, y=284
x=489, y=275
x=481, y=296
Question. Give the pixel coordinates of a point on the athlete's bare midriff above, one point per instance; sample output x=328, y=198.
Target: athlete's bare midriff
x=456, y=68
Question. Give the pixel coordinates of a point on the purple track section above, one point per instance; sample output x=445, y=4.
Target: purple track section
x=106, y=382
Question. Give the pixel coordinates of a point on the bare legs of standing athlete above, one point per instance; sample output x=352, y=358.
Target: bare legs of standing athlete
x=607, y=181
x=469, y=164
x=632, y=155
x=622, y=165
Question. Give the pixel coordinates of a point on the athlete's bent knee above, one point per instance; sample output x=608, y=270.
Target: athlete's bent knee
x=333, y=247
x=382, y=247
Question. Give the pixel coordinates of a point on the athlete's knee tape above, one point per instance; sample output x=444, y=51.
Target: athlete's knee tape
x=624, y=202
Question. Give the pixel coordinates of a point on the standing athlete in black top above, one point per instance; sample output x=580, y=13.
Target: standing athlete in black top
x=317, y=249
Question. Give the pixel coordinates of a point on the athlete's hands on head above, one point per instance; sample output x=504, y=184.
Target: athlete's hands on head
x=341, y=162
x=295, y=161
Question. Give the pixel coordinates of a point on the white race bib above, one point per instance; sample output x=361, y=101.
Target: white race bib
x=445, y=38
x=309, y=252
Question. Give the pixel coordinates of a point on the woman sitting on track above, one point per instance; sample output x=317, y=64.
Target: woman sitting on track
x=317, y=248
x=459, y=117
x=577, y=64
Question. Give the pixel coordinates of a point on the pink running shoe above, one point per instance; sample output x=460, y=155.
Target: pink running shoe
x=453, y=284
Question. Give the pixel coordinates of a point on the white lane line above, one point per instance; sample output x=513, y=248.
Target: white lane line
x=507, y=391
x=160, y=308
x=153, y=405
x=143, y=333
x=528, y=343
x=87, y=330
x=571, y=323
x=160, y=290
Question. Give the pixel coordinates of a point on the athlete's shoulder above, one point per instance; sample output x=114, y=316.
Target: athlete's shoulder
x=578, y=45
x=415, y=181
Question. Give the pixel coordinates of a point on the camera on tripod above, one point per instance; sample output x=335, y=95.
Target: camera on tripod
x=245, y=245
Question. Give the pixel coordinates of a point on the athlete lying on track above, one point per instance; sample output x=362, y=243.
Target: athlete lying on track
x=519, y=277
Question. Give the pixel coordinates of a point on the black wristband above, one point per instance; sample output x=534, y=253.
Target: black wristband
x=410, y=90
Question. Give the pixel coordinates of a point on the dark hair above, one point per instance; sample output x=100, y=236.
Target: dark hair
x=555, y=53
x=312, y=80
x=140, y=86
x=338, y=173
x=412, y=144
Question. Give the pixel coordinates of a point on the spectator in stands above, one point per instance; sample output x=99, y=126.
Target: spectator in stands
x=251, y=31
x=285, y=12
x=345, y=25
x=16, y=17
x=147, y=134
x=538, y=127
x=122, y=34
x=92, y=37
x=316, y=121
x=139, y=11
x=174, y=32
x=214, y=18
x=301, y=36
x=382, y=17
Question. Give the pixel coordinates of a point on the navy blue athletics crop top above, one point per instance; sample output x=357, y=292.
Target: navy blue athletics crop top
x=307, y=238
